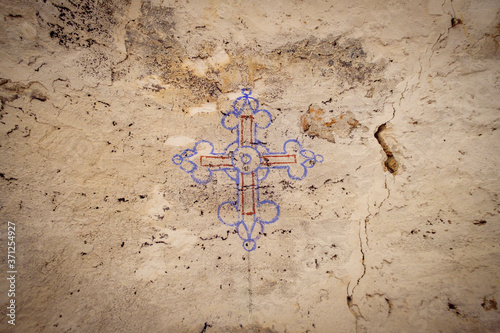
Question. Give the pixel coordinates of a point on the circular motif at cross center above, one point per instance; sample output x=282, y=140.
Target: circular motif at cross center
x=246, y=159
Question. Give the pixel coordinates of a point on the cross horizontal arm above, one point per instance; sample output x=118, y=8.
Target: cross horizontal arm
x=272, y=160
x=215, y=161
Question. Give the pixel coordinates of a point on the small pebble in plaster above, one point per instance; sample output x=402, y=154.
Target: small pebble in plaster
x=452, y=307
x=455, y=21
x=489, y=303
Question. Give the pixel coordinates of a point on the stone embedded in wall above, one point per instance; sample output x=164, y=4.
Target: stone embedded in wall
x=318, y=123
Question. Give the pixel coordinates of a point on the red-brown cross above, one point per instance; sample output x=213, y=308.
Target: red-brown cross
x=247, y=162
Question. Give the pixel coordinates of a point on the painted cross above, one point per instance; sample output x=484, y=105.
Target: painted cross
x=247, y=162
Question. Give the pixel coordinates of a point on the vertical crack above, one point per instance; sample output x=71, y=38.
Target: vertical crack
x=363, y=245
x=391, y=164
x=353, y=307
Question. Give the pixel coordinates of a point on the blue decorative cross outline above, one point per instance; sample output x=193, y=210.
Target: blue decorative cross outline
x=247, y=162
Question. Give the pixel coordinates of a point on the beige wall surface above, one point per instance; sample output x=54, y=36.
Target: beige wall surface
x=384, y=199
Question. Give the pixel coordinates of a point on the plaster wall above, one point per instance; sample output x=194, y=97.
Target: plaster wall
x=396, y=230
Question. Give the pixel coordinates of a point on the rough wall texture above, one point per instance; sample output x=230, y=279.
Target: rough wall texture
x=397, y=230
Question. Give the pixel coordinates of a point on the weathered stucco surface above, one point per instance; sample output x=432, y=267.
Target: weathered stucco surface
x=396, y=231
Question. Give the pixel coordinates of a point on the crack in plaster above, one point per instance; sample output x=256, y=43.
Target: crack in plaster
x=363, y=229
x=364, y=244
x=390, y=163
x=454, y=22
